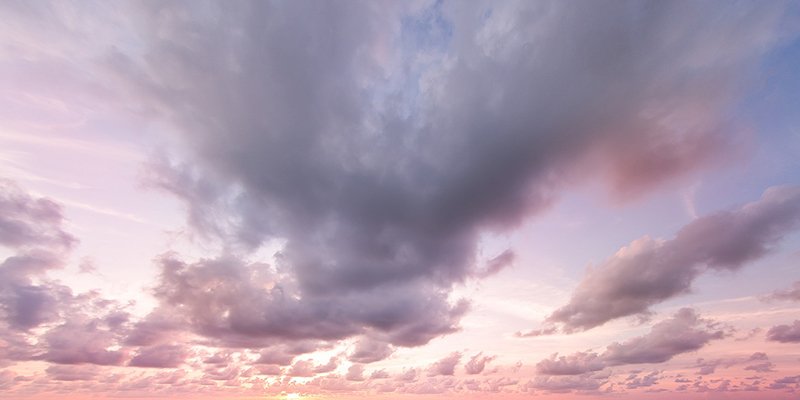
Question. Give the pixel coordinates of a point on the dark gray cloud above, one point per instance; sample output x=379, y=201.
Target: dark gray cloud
x=382, y=185
x=378, y=174
x=682, y=333
x=785, y=333
x=649, y=271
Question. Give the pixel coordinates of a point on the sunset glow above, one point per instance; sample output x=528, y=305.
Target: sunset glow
x=423, y=199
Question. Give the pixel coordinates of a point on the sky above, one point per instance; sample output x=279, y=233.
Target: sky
x=400, y=200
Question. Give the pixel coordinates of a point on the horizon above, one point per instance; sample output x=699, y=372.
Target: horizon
x=400, y=200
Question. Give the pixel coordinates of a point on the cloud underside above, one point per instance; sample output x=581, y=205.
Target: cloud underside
x=684, y=332
x=649, y=271
x=378, y=163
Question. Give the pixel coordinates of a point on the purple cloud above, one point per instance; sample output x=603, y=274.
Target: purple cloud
x=160, y=356
x=477, y=363
x=785, y=333
x=446, y=366
x=650, y=271
x=682, y=333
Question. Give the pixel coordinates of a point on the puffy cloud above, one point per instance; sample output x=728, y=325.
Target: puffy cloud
x=378, y=173
x=32, y=227
x=284, y=354
x=242, y=304
x=785, y=333
x=30, y=222
x=355, y=373
x=760, y=367
x=648, y=380
x=574, y=364
x=307, y=368
x=446, y=366
x=79, y=342
x=682, y=333
x=477, y=363
x=368, y=350
x=650, y=271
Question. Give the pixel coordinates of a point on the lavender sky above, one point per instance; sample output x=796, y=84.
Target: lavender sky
x=400, y=200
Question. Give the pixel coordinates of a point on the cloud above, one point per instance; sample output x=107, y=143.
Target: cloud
x=72, y=373
x=635, y=382
x=446, y=366
x=378, y=173
x=682, y=333
x=498, y=263
x=785, y=333
x=244, y=305
x=355, y=373
x=368, y=350
x=284, y=354
x=27, y=221
x=790, y=294
x=32, y=229
x=649, y=271
x=477, y=363
x=574, y=364
x=566, y=384
x=160, y=356
x=307, y=368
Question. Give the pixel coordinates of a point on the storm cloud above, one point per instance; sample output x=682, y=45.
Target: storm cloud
x=376, y=172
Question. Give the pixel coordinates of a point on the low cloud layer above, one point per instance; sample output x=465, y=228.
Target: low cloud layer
x=682, y=333
x=650, y=271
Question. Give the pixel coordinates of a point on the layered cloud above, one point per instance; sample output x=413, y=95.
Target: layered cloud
x=649, y=271
x=790, y=294
x=682, y=333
